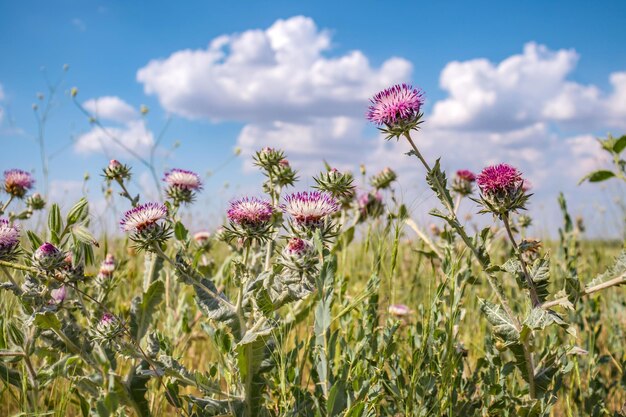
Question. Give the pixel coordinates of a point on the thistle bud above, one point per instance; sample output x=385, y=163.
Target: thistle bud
x=463, y=182
x=336, y=183
x=9, y=240
x=48, y=258
x=116, y=171
x=203, y=239
x=383, y=179
x=109, y=327
x=370, y=205
x=35, y=202
x=58, y=295
x=299, y=256
x=399, y=310
x=268, y=158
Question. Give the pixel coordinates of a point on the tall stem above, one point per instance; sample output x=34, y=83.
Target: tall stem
x=6, y=205
x=531, y=285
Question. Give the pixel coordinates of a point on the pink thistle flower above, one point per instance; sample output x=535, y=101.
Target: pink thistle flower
x=202, y=237
x=296, y=247
x=107, y=267
x=399, y=103
x=399, y=310
x=48, y=250
x=114, y=164
x=143, y=216
x=309, y=207
x=184, y=179
x=58, y=295
x=250, y=211
x=9, y=236
x=17, y=182
x=500, y=178
x=107, y=319
x=466, y=175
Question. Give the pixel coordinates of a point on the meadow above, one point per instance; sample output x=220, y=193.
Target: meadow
x=323, y=302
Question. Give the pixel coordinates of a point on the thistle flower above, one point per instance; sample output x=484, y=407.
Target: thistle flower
x=35, y=202
x=48, y=257
x=463, y=182
x=203, y=239
x=370, y=205
x=310, y=208
x=502, y=189
x=17, y=182
x=399, y=310
x=397, y=108
x=250, y=219
x=299, y=256
x=337, y=183
x=284, y=174
x=116, y=171
x=383, y=179
x=182, y=185
x=9, y=240
x=268, y=158
x=109, y=327
x=145, y=223
x=107, y=267
x=58, y=295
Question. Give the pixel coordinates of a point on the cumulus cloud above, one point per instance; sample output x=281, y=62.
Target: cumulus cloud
x=124, y=134
x=280, y=73
x=111, y=108
x=525, y=89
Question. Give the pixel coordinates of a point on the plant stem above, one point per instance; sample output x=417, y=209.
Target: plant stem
x=588, y=291
x=531, y=285
x=6, y=205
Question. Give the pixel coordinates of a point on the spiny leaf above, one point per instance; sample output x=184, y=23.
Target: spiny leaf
x=143, y=308
x=503, y=325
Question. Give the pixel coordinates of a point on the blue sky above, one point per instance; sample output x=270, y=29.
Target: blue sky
x=524, y=82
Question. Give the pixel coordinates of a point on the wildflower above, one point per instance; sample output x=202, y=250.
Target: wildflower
x=58, y=295
x=284, y=174
x=117, y=171
x=370, y=205
x=107, y=267
x=9, y=240
x=399, y=310
x=203, y=239
x=310, y=208
x=17, y=182
x=397, y=108
x=250, y=219
x=335, y=182
x=35, y=202
x=268, y=158
x=463, y=182
x=182, y=185
x=109, y=327
x=145, y=223
x=383, y=179
x=501, y=188
x=48, y=257
x=299, y=256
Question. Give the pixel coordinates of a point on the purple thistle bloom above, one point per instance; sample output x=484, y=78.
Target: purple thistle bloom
x=500, y=178
x=309, y=207
x=202, y=237
x=143, y=216
x=466, y=175
x=296, y=247
x=402, y=102
x=184, y=179
x=107, y=267
x=58, y=295
x=399, y=310
x=250, y=211
x=47, y=250
x=9, y=236
x=17, y=182
x=107, y=319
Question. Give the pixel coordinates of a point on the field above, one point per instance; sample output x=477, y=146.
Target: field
x=318, y=303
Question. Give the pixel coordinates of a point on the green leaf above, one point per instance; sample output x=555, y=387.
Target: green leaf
x=78, y=212
x=83, y=235
x=597, y=176
x=503, y=325
x=47, y=321
x=35, y=241
x=142, y=309
x=55, y=224
x=180, y=232
x=620, y=144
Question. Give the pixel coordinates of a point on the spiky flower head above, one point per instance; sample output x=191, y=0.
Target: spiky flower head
x=268, y=158
x=109, y=327
x=370, y=205
x=383, y=179
x=203, y=239
x=48, y=257
x=9, y=240
x=35, y=202
x=284, y=174
x=116, y=171
x=182, y=185
x=399, y=310
x=299, y=256
x=336, y=183
x=107, y=267
x=250, y=219
x=463, y=182
x=146, y=224
x=502, y=189
x=310, y=208
x=18, y=182
x=397, y=108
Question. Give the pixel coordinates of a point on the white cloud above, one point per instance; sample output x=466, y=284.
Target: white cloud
x=280, y=73
x=124, y=135
x=523, y=90
x=111, y=108
x=116, y=142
